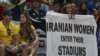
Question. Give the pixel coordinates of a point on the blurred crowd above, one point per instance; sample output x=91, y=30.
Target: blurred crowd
x=37, y=10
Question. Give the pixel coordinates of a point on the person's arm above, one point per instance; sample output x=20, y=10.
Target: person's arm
x=36, y=41
x=35, y=44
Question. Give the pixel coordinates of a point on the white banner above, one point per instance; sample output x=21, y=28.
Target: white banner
x=71, y=37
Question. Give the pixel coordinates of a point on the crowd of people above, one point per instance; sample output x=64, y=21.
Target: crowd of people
x=22, y=37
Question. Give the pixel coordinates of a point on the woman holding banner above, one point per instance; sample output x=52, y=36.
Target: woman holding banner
x=70, y=9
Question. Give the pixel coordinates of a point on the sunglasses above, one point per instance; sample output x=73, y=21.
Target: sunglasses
x=8, y=31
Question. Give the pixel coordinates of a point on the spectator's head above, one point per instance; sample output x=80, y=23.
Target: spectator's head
x=83, y=9
x=56, y=7
x=25, y=23
x=24, y=18
x=36, y=4
x=68, y=8
x=7, y=15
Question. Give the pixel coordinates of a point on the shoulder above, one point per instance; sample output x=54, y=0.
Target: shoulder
x=0, y=22
x=33, y=28
x=14, y=25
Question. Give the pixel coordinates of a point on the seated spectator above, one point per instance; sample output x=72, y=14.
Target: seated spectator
x=7, y=29
x=36, y=15
x=29, y=40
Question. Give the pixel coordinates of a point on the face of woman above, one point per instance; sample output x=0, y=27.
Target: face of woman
x=23, y=18
x=69, y=8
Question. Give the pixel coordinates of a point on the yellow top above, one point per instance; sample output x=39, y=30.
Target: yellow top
x=22, y=38
x=4, y=37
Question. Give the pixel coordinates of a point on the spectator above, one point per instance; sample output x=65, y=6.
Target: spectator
x=57, y=7
x=7, y=29
x=36, y=15
x=2, y=6
x=97, y=17
x=29, y=40
x=70, y=10
x=67, y=9
x=83, y=9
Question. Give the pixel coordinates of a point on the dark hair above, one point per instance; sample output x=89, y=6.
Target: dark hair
x=25, y=28
x=64, y=7
x=7, y=12
x=83, y=11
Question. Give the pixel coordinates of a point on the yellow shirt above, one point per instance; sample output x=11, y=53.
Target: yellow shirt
x=4, y=37
x=23, y=39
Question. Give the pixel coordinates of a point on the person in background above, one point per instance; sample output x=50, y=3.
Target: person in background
x=83, y=9
x=2, y=6
x=70, y=9
x=97, y=17
x=36, y=15
x=7, y=29
x=57, y=7
x=29, y=40
x=67, y=9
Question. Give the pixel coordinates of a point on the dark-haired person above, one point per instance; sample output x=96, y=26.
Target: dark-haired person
x=67, y=9
x=7, y=29
x=83, y=9
x=36, y=15
x=70, y=9
x=57, y=7
x=29, y=40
